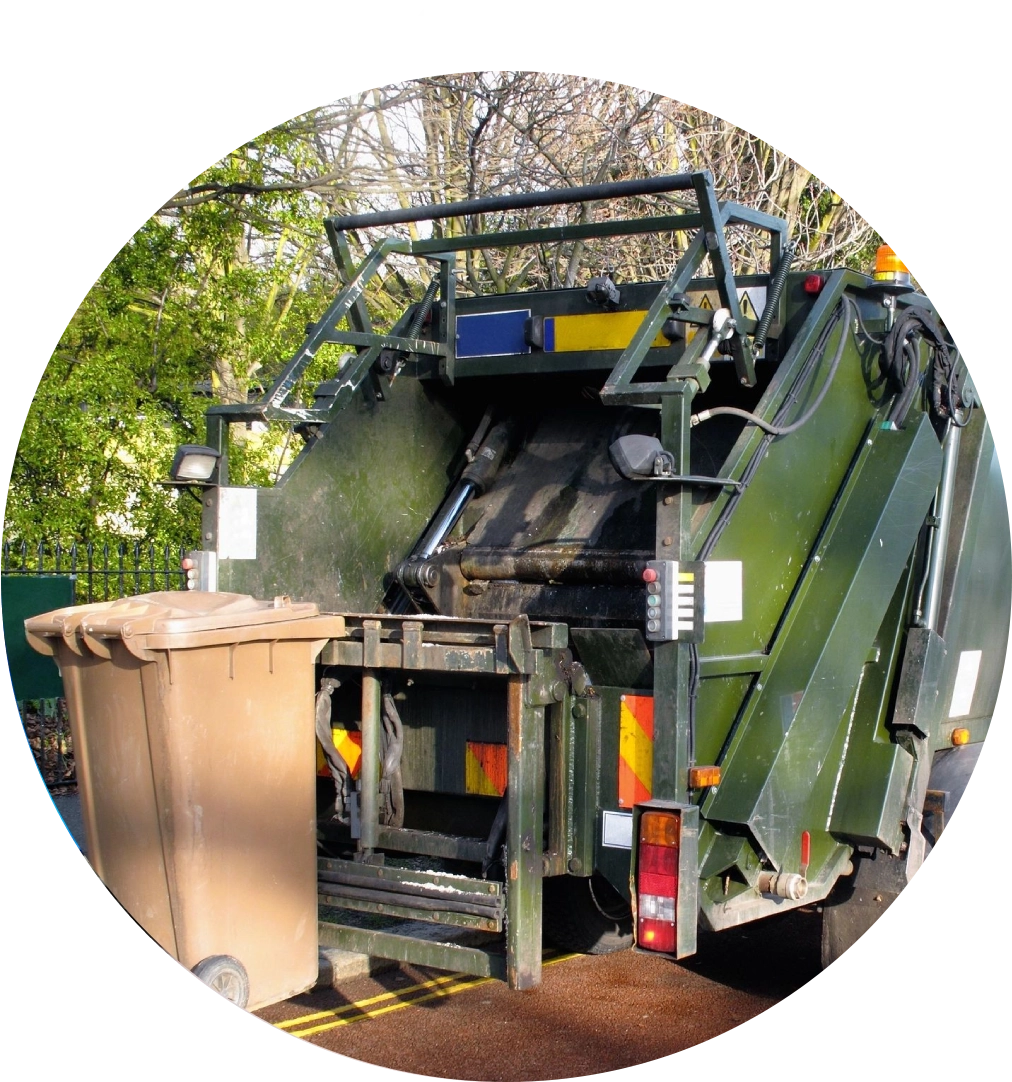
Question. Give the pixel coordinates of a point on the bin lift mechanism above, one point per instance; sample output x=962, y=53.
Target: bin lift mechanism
x=688, y=836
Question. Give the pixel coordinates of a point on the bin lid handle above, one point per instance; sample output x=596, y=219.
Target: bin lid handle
x=96, y=645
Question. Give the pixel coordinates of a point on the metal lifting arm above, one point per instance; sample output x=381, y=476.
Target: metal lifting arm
x=550, y=197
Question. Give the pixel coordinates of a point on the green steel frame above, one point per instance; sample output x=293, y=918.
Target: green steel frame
x=525, y=657
x=708, y=224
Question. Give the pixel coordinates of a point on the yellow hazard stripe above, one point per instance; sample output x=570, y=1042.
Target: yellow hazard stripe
x=348, y=746
x=476, y=781
x=636, y=750
x=349, y=749
x=485, y=769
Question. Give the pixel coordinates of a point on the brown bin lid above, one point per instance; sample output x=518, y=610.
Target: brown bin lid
x=170, y=619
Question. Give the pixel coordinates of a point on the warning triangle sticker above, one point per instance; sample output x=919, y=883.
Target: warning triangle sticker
x=706, y=303
x=747, y=307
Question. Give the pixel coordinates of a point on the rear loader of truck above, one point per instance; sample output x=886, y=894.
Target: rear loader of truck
x=666, y=604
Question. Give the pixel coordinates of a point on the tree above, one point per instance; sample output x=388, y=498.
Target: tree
x=209, y=298
x=188, y=312
x=460, y=136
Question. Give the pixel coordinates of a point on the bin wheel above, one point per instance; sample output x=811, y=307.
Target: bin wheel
x=587, y=915
x=226, y=975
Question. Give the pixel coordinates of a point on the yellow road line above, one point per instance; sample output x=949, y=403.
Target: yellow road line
x=348, y=1008
x=442, y=986
x=438, y=993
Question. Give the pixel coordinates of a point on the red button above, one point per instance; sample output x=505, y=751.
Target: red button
x=649, y=575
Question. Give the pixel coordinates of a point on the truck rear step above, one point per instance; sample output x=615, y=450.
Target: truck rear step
x=436, y=897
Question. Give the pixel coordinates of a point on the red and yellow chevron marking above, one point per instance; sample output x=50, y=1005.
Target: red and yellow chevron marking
x=349, y=747
x=635, y=749
x=485, y=769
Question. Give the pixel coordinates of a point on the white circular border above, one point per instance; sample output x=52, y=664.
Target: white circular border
x=464, y=41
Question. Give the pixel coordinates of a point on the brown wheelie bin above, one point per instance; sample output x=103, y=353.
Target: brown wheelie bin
x=192, y=718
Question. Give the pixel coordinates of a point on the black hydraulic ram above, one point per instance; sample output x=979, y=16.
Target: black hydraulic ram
x=476, y=478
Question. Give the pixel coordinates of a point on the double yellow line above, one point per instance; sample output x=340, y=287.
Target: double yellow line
x=376, y=1006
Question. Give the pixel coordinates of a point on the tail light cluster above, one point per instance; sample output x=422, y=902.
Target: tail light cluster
x=657, y=880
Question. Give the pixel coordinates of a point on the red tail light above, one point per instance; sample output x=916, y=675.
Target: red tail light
x=657, y=880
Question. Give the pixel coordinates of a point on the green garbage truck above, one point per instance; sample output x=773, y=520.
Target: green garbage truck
x=664, y=605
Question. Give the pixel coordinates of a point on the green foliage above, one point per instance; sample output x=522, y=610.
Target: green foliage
x=201, y=305
x=213, y=294
x=115, y=399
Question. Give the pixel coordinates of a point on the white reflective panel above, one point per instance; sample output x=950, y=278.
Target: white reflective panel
x=654, y=907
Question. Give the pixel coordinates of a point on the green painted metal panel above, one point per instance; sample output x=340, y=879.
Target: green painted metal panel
x=586, y=770
x=350, y=509
x=867, y=795
x=870, y=803
x=919, y=694
x=783, y=510
x=33, y=676
x=978, y=575
x=719, y=698
x=720, y=852
x=610, y=699
x=780, y=747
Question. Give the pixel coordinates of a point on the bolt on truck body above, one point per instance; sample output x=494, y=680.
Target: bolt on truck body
x=667, y=604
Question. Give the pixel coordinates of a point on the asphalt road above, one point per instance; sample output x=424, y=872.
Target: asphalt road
x=89, y=988
x=591, y=1014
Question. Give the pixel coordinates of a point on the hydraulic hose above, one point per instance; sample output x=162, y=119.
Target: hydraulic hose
x=901, y=366
x=335, y=761
x=846, y=311
x=391, y=786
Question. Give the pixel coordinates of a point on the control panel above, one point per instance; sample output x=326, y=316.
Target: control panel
x=674, y=604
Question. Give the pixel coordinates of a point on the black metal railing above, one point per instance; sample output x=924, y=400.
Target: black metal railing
x=103, y=571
